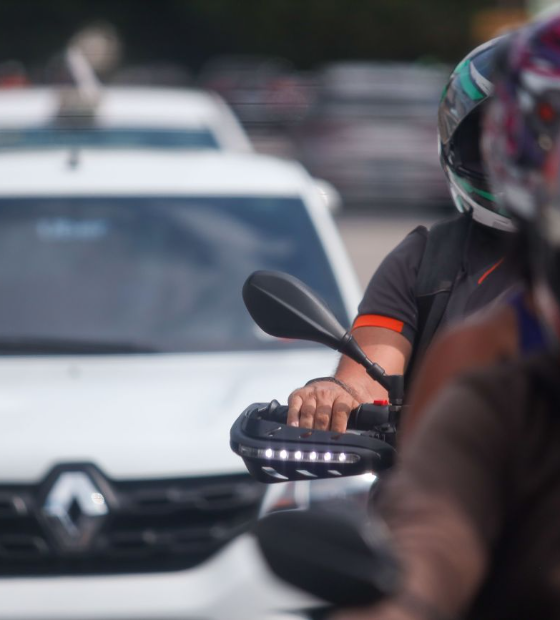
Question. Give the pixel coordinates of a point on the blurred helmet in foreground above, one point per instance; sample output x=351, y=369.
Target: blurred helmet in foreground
x=522, y=121
x=521, y=144
x=459, y=129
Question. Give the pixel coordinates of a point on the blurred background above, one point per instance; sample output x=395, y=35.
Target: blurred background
x=348, y=88
x=153, y=154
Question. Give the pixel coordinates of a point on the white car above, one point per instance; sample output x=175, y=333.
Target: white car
x=124, y=117
x=125, y=356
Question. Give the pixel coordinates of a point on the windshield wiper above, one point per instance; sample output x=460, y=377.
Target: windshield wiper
x=43, y=345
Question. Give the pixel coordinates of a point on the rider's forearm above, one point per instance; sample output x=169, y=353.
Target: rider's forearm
x=355, y=376
x=387, y=348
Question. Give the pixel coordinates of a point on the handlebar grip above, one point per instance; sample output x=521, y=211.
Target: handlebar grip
x=367, y=416
x=275, y=412
x=363, y=418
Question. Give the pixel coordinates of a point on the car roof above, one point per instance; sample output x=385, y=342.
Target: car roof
x=123, y=172
x=122, y=106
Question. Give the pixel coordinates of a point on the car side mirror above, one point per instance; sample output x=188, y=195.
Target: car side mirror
x=330, y=195
x=337, y=559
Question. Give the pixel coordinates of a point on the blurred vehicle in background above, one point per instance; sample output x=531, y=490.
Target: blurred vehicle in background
x=125, y=352
x=372, y=133
x=13, y=74
x=153, y=74
x=120, y=117
x=264, y=92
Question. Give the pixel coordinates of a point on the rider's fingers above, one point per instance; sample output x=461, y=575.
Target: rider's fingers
x=294, y=406
x=340, y=412
x=323, y=415
x=307, y=412
x=325, y=399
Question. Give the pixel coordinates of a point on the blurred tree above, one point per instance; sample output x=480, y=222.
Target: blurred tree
x=306, y=31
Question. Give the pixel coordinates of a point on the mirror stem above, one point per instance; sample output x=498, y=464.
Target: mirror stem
x=352, y=349
x=394, y=384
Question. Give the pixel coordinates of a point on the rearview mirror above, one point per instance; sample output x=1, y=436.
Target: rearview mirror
x=336, y=558
x=285, y=307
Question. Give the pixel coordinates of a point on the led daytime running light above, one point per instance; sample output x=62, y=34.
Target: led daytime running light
x=299, y=456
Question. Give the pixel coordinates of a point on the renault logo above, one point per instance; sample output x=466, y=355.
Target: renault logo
x=74, y=510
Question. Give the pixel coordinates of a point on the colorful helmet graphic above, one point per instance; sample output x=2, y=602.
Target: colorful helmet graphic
x=521, y=145
x=522, y=122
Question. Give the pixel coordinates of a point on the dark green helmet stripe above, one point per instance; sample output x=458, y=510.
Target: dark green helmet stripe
x=466, y=81
x=470, y=188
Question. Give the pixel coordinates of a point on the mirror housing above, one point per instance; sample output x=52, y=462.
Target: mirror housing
x=285, y=307
x=334, y=557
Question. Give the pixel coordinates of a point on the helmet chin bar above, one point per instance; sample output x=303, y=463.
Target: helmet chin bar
x=492, y=220
x=480, y=214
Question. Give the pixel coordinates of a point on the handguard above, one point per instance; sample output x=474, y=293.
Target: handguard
x=275, y=452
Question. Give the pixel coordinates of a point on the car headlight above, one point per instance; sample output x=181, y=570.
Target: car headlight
x=348, y=493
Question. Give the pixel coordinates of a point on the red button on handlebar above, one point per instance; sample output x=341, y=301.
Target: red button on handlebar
x=381, y=402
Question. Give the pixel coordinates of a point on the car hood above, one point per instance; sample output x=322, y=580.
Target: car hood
x=149, y=416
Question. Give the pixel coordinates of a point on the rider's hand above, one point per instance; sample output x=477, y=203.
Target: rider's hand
x=321, y=405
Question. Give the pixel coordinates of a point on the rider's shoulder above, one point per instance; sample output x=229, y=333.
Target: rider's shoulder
x=403, y=260
x=415, y=239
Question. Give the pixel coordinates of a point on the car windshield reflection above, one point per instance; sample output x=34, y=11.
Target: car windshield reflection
x=161, y=274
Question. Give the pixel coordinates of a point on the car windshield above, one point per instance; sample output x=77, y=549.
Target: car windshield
x=110, y=275
x=96, y=137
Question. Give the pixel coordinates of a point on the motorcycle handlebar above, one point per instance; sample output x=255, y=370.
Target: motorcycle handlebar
x=366, y=417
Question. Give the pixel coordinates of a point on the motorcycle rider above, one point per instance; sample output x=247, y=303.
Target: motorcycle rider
x=472, y=504
x=506, y=329
x=431, y=278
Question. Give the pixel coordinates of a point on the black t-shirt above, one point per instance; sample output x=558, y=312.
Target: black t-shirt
x=390, y=297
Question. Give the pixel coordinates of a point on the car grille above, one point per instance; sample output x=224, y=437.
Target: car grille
x=157, y=525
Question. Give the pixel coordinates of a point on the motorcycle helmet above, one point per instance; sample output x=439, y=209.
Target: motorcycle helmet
x=521, y=146
x=522, y=122
x=459, y=129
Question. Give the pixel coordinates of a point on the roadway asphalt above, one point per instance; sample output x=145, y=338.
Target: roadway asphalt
x=370, y=237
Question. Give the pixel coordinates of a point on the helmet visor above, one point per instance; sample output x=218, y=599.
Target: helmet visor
x=465, y=148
